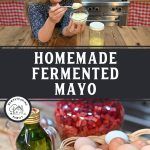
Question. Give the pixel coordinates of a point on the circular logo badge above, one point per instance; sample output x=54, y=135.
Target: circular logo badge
x=17, y=109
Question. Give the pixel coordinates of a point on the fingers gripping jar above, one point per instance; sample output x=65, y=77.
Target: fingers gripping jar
x=96, y=34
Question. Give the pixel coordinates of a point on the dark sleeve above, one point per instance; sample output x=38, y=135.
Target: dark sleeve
x=66, y=19
x=36, y=17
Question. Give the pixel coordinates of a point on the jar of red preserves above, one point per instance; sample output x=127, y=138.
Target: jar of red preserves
x=88, y=117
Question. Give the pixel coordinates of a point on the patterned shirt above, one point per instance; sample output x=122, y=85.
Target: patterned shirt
x=38, y=14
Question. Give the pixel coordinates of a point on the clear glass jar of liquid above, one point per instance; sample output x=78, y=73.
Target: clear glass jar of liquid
x=96, y=34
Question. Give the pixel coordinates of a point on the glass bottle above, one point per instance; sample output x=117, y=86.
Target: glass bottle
x=33, y=136
x=96, y=34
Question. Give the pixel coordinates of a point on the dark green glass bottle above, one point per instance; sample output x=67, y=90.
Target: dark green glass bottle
x=33, y=136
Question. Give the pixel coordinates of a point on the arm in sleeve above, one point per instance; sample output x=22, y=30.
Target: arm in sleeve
x=36, y=18
x=66, y=19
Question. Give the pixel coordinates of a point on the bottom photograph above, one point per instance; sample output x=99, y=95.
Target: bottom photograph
x=100, y=124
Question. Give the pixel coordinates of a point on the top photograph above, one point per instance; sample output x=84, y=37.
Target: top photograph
x=60, y=23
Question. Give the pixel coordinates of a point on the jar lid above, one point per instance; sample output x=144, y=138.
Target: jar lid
x=34, y=117
x=97, y=26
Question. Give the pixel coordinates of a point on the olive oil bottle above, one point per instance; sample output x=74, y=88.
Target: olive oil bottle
x=33, y=136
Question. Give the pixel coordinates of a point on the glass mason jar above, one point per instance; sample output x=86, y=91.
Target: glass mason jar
x=86, y=118
x=96, y=34
x=79, y=16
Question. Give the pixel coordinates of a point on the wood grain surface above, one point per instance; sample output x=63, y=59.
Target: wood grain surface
x=114, y=36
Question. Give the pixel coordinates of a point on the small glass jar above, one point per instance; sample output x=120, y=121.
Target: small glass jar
x=79, y=16
x=96, y=34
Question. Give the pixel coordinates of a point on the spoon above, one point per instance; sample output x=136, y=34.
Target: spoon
x=74, y=6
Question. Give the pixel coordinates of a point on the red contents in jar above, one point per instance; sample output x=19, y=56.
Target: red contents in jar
x=80, y=118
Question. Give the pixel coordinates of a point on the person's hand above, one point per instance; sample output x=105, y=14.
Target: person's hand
x=56, y=13
x=55, y=1
x=73, y=28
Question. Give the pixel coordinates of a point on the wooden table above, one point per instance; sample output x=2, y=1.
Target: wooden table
x=114, y=36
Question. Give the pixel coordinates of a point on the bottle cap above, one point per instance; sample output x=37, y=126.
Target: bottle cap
x=97, y=26
x=34, y=117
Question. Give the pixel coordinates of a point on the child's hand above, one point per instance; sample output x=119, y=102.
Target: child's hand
x=73, y=29
x=56, y=13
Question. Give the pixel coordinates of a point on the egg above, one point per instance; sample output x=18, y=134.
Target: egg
x=127, y=147
x=116, y=134
x=147, y=147
x=86, y=147
x=115, y=143
x=139, y=143
x=83, y=141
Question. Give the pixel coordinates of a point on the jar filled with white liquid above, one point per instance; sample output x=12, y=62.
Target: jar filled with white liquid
x=79, y=16
x=96, y=34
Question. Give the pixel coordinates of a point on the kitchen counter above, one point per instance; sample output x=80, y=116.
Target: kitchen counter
x=114, y=36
